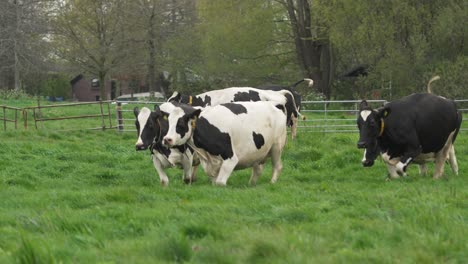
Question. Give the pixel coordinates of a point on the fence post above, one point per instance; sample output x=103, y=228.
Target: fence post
x=25, y=118
x=4, y=118
x=119, y=117
x=109, y=113
x=102, y=116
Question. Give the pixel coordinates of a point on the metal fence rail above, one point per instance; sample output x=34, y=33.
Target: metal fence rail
x=338, y=116
x=104, y=116
x=125, y=116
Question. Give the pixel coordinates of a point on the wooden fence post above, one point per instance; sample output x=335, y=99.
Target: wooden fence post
x=119, y=117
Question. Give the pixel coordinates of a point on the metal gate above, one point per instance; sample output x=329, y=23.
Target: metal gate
x=337, y=116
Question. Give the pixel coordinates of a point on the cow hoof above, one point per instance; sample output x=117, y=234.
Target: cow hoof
x=189, y=181
x=164, y=183
x=222, y=184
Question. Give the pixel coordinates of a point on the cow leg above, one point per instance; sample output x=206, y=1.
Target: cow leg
x=453, y=160
x=392, y=171
x=411, y=152
x=423, y=169
x=187, y=161
x=293, y=126
x=194, y=173
x=226, y=170
x=160, y=169
x=276, y=161
x=440, y=159
x=256, y=172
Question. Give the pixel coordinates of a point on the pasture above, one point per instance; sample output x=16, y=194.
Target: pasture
x=88, y=196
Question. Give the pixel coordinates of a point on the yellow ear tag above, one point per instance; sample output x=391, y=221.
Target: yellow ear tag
x=165, y=117
x=193, y=122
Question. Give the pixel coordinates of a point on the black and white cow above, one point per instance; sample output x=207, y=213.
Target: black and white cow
x=241, y=94
x=417, y=128
x=230, y=136
x=297, y=99
x=151, y=127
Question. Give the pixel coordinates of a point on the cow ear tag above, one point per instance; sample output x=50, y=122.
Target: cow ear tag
x=385, y=114
x=193, y=122
x=165, y=117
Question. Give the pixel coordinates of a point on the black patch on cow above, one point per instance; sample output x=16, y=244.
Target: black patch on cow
x=247, y=96
x=258, y=139
x=197, y=101
x=208, y=137
x=207, y=101
x=182, y=126
x=281, y=107
x=236, y=108
x=161, y=149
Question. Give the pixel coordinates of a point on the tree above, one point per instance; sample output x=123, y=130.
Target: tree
x=311, y=42
x=91, y=35
x=23, y=41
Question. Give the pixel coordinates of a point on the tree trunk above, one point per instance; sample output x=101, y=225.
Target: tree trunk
x=102, y=86
x=153, y=79
x=309, y=49
x=16, y=66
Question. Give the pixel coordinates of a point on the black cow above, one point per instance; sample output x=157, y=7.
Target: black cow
x=416, y=128
x=151, y=127
x=242, y=94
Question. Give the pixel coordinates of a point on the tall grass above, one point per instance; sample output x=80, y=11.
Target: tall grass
x=88, y=196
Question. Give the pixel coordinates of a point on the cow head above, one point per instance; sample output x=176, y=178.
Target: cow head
x=181, y=118
x=148, y=126
x=370, y=123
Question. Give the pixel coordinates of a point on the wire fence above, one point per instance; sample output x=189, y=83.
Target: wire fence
x=337, y=116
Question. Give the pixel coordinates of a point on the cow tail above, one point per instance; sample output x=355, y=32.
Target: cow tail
x=286, y=92
x=310, y=82
x=459, y=121
x=435, y=78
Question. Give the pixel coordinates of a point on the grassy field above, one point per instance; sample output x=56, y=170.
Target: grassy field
x=89, y=197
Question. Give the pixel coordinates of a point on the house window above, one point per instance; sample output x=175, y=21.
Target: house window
x=95, y=83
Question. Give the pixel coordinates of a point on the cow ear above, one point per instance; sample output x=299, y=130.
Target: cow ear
x=136, y=111
x=157, y=110
x=363, y=105
x=194, y=114
x=156, y=113
x=175, y=97
x=383, y=112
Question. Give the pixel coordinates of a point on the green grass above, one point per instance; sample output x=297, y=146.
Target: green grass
x=89, y=197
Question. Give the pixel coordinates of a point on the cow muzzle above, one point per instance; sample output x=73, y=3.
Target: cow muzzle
x=139, y=147
x=367, y=163
x=167, y=141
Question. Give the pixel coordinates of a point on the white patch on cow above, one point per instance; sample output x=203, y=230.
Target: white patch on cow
x=401, y=166
x=365, y=114
x=143, y=117
x=386, y=158
x=364, y=157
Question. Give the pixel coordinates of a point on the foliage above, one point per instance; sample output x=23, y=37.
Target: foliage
x=57, y=85
x=203, y=45
x=6, y=94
